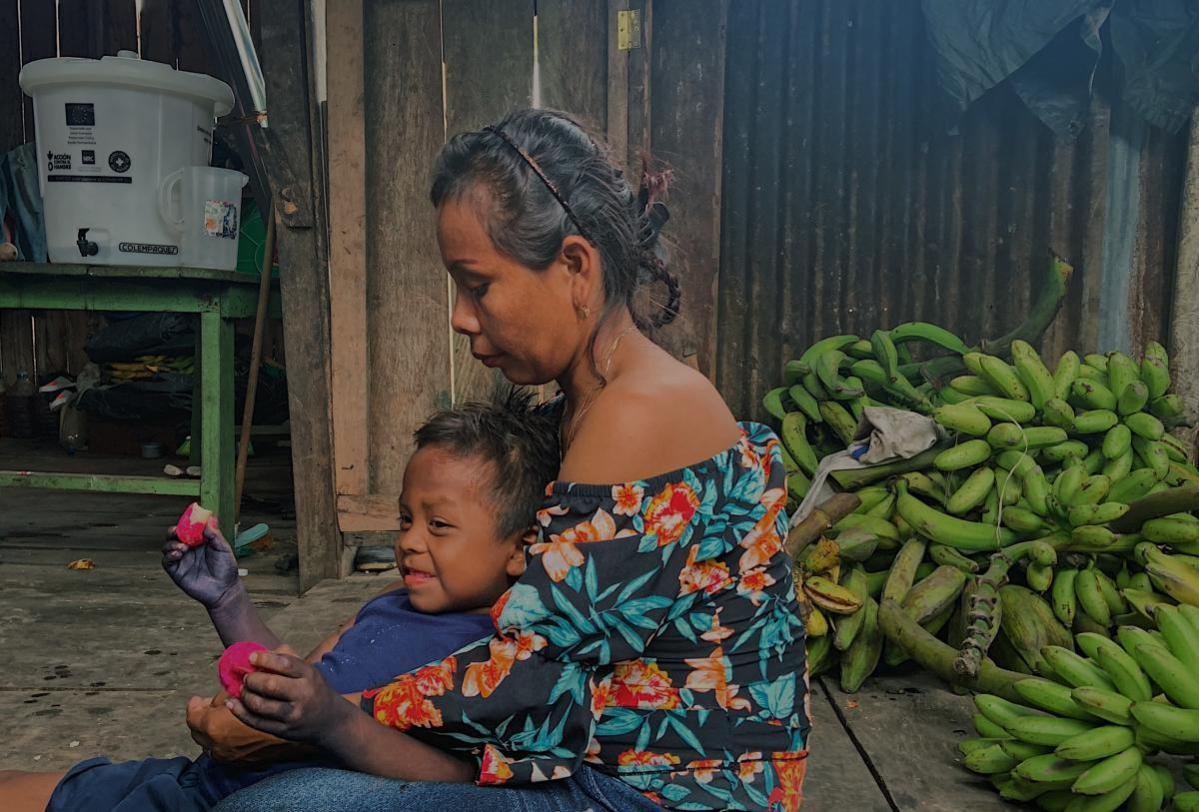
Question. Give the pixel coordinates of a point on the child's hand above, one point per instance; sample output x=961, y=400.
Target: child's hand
x=207, y=572
x=289, y=698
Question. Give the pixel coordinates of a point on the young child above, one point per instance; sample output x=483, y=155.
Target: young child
x=470, y=493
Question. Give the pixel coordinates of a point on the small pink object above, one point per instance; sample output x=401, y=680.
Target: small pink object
x=190, y=527
x=235, y=664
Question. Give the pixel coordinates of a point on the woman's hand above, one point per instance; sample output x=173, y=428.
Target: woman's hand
x=225, y=738
x=206, y=572
x=289, y=698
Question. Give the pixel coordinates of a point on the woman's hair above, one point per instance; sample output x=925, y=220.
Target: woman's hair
x=546, y=177
x=518, y=439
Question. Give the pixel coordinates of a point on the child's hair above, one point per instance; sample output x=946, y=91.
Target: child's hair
x=519, y=440
x=547, y=177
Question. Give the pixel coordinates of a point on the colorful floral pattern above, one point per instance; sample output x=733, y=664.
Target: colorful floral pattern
x=654, y=636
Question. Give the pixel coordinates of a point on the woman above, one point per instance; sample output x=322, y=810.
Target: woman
x=652, y=654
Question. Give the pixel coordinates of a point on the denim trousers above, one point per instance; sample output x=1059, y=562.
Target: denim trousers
x=321, y=789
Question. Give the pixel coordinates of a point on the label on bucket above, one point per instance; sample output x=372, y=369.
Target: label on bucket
x=220, y=219
x=148, y=248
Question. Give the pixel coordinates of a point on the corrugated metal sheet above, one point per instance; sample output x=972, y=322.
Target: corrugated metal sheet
x=853, y=199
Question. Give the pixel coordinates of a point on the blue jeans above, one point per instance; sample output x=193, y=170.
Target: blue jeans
x=321, y=789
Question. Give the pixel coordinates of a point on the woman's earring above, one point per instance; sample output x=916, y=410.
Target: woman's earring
x=584, y=312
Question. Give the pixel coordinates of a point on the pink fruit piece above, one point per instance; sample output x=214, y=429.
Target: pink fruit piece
x=235, y=664
x=190, y=527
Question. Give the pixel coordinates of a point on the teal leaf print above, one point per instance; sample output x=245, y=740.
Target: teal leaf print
x=642, y=737
x=573, y=681
x=618, y=722
x=777, y=697
x=592, y=579
x=684, y=628
x=523, y=608
x=674, y=792
x=634, y=586
x=686, y=734
x=573, y=579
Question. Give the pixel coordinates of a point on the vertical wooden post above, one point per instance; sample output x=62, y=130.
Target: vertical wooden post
x=293, y=153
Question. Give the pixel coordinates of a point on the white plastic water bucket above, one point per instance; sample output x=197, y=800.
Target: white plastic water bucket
x=202, y=204
x=110, y=133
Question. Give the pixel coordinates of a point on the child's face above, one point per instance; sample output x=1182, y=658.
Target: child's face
x=447, y=548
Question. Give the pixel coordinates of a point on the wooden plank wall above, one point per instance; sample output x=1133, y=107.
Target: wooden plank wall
x=49, y=342
x=434, y=68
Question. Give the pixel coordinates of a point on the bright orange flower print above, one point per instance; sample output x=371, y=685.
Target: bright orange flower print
x=600, y=695
x=789, y=771
x=669, y=513
x=628, y=499
x=404, y=703
x=546, y=515
x=494, y=768
x=481, y=679
x=754, y=584
x=749, y=765
x=653, y=796
x=704, y=770
x=711, y=674
x=708, y=577
x=559, y=556
x=763, y=542
x=640, y=684
x=717, y=633
x=644, y=758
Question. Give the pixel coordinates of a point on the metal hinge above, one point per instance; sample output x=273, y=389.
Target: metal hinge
x=628, y=30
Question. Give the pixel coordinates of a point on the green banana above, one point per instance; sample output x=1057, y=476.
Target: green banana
x=772, y=402
x=798, y=485
x=964, y=455
x=1003, y=378
x=964, y=418
x=1154, y=454
x=1180, y=724
x=1106, y=802
x=1090, y=597
x=971, y=493
x=808, y=359
x=793, y=372
x=860, y=350
x=1121, y=371
x=989, y=761
x=1148, y=795
x=1062, y=598
x=987, y=728
x=1036, y=490
x=1069, y=450
x=1096, y=361
x=1186, y=801
x=1068, y=482
x=1050, y=768
x=1135, y=486
x=1086, y=372
x=1110, y=706
x=842, y=422
x=1094, y=462
x=849, y=626
x=1065, y=374
x=1170, y=674
x=1092, y=395
x=1095, y=421
x=1011, y=435
x=1022, y=521
x=1155, y=350
x=1057, y=412
x=972, y=385
x=885, y=353
x=903, y=570
x=931, y=596
x=1049, y=731
x=1180, y=635
x=953, y=396
x=1128, y=677
x=794, y=436
x=861, y=658
x=968, y=746
x=1120, y=467
x=1176, y=448
x=928, y=333
x=828, y=370
x=811, y=382
x=1096, y=744
x=1038, y=577
x=1112, y=772
x=1117, y=441
x=1146, y=602
x=949, y=530
x=1102, y=513
x=1052, y=697
x=999, y=408
x=807, y=404
x=1075, y=670
x=1170, y=530
x=1132, y=399
x=1032, y=372
x=1000, y=711
x=949, y=557
x=1171, y=576
x=1156, y=376
x=1168, y=408
x=1093, y=490
x=1111, y=595
x=1022, y=751
x=1145, y=425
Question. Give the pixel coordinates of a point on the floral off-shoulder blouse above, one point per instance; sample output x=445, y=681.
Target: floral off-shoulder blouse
x=654, y=637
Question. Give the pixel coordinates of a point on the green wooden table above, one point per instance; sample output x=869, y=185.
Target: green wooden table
x=217, y=297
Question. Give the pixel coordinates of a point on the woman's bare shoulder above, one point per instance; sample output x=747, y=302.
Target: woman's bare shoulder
x=652, y=421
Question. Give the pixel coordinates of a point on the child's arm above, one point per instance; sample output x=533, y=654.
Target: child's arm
x=208, y=573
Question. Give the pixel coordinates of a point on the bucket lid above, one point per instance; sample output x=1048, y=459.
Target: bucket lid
x=127, y=72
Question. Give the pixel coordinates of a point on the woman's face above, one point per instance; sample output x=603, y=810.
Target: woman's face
x=521, y=321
